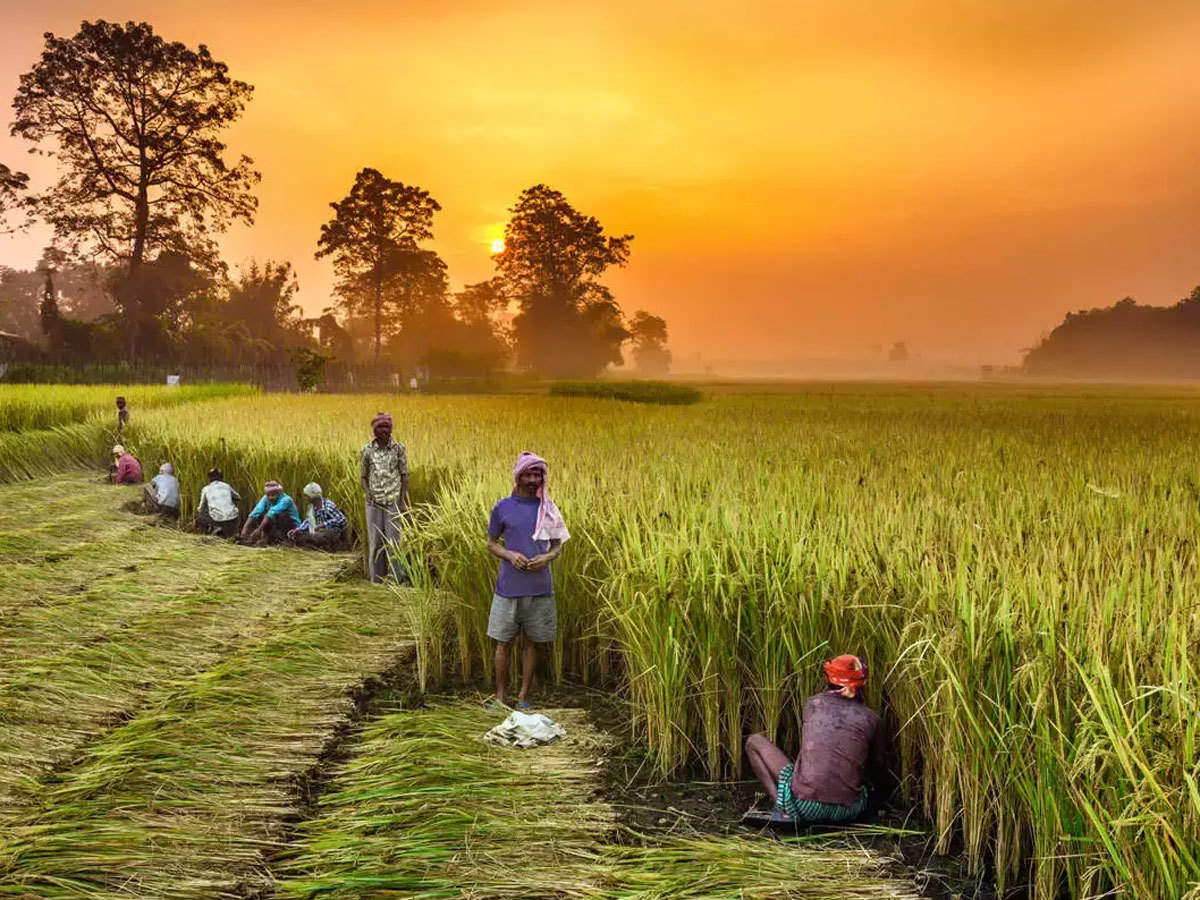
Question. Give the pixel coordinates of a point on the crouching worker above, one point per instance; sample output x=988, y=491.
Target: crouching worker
x=526, y=532
x=840, y=738
x=125, y=468
x=272, y=518
x=324, y=528
x=218, y=510
x=161, y=495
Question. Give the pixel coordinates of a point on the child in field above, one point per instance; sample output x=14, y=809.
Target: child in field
x=841, y=738
x=526, y=532
x=122, y=415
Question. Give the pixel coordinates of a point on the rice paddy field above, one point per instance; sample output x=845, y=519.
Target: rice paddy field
x=1018, y=565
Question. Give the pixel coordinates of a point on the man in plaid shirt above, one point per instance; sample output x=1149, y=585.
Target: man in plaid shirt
x=325, y=525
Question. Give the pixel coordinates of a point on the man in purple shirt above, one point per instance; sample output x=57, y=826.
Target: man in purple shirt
x=840, y=740
x=526, y=532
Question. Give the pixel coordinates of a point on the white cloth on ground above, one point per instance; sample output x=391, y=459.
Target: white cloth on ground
x=525, y=730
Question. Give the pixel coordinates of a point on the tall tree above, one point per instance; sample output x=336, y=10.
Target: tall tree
x=553, y=256
x=374, y=238
x=49, y=308
x=649, y=336
x=135, y=123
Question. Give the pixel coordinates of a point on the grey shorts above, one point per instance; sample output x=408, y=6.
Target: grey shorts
x=535, y=616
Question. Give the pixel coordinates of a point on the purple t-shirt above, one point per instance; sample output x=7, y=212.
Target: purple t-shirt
x=513, y=521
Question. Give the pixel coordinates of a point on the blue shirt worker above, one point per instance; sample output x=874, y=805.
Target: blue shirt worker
x=526, y=533
x=272, y=518
x=324, y=528
x=161, y=495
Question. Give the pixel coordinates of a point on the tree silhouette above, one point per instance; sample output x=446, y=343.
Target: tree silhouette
x=11, y=185
x=569, y=323
x=374, y=239
x=649, y=336
x=134, y=122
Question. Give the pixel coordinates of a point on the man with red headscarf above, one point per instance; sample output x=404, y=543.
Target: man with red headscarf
x=384, y=469
x=526, y=532
x=841, y=737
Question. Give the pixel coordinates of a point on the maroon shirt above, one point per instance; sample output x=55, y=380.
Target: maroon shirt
x=838, y=739
x=129, y=470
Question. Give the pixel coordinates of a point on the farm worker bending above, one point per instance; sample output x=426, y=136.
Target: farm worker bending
x=324, y=526
x=218, y=511
x=272, y=517
x=128, y=469
x=384, y=465
x=840, y=737
x=526, y=532
x=161, y=495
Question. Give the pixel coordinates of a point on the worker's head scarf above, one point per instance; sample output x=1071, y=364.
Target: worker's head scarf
x=550, y=524
x=848, y=672
x=272, y=486
x=312, y=491
x=118, y=450
x=381, y=418
x=166, y=469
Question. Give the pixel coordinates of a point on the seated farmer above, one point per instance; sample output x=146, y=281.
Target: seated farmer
x=161, y=495
x=272, y=517
x=324, y=527
x=128, y=471
x=218, y=511
x=526, y=532
x=841, y=735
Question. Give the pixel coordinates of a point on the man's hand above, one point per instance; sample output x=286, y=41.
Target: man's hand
x=292, y=532
x=539, y=562
x=519, y=560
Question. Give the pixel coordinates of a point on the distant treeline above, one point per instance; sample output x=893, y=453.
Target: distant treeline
x=1125, y=340
x=143, y=189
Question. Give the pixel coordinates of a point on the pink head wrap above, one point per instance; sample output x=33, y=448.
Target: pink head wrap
x=550, y=524
x=379, y=419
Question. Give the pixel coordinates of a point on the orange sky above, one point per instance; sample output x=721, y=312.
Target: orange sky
x=814, y=178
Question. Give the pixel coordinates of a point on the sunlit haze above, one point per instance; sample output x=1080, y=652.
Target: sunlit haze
x=805, y=180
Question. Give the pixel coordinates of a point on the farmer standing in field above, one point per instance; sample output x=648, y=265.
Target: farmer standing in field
x=384, y=467
x=272, y=518
x=841, y=737
x=218, y=511
x=122, y=415
x=526, y=532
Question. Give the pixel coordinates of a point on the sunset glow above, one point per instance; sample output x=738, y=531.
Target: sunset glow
x=843, y=175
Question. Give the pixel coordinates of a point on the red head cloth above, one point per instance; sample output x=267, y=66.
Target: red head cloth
x=272, y=486
x=380, y=418
x=846, y=671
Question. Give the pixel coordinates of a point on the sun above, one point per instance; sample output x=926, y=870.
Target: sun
x=498, y=245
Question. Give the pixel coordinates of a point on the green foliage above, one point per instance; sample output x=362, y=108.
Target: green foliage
x=663, y=392
x=310, y=368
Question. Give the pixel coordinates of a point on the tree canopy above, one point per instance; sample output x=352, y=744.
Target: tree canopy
x=374, y=238
x=569, y=324
x=134, y=122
